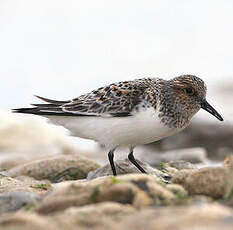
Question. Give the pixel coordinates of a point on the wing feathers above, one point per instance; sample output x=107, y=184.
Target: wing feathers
x=118, y=99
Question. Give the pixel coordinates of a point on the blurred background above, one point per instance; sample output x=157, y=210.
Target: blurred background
x=60, y=49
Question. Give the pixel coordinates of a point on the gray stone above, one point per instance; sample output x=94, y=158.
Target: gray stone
x=8, y=184
x=181, y=165
x=12, y=201
x=56, y=169
x=126, y=167
x=11, y=160
x=193, y=155
x=200, y=200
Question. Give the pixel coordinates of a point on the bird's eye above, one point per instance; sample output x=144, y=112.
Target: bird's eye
x=189, y=91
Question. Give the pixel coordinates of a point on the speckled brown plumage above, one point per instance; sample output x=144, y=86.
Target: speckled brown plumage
x=176, y=107
x=117, y=99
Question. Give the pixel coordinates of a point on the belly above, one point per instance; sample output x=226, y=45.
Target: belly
x=141, y=128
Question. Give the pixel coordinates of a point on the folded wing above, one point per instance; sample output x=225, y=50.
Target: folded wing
x=117, y=99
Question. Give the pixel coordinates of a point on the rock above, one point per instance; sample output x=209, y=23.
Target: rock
x=199, y=200
x=181, y=165
x=8, y=161
x=215, y=182
x=55, y=169
x=192, y=155
x=17, y=134
x=125, y=167
x=31, y=180
x=178, y=191
x=9, y=184
x=174, y=167
x=177, y=169
x=179, y=176
x=208, y=217
x=215, y=137
x=115, y=216
x=11, y=160
x=228, y=162
x=104, y=215
x=26, y=221
x=12, y=201
x=140, y=190
x=111, y=209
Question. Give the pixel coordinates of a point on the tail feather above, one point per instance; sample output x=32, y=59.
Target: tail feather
x=45, y=112
x=42, y=111
x=26, y=110
x=45, y=105
x=52, y=101
x=52, y=108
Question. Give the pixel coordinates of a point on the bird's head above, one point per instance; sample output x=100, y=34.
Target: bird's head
x=185, y=96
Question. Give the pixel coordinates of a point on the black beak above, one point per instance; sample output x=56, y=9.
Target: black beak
x=206, y=106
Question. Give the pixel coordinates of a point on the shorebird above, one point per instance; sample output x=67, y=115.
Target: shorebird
x=129, y=113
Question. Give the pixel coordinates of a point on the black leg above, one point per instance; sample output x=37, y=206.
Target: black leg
x=132, y=160
x=110, y=158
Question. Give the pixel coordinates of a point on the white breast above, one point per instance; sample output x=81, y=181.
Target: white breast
x=142, y=128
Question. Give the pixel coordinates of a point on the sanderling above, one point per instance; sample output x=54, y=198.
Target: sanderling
x=129, y=113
